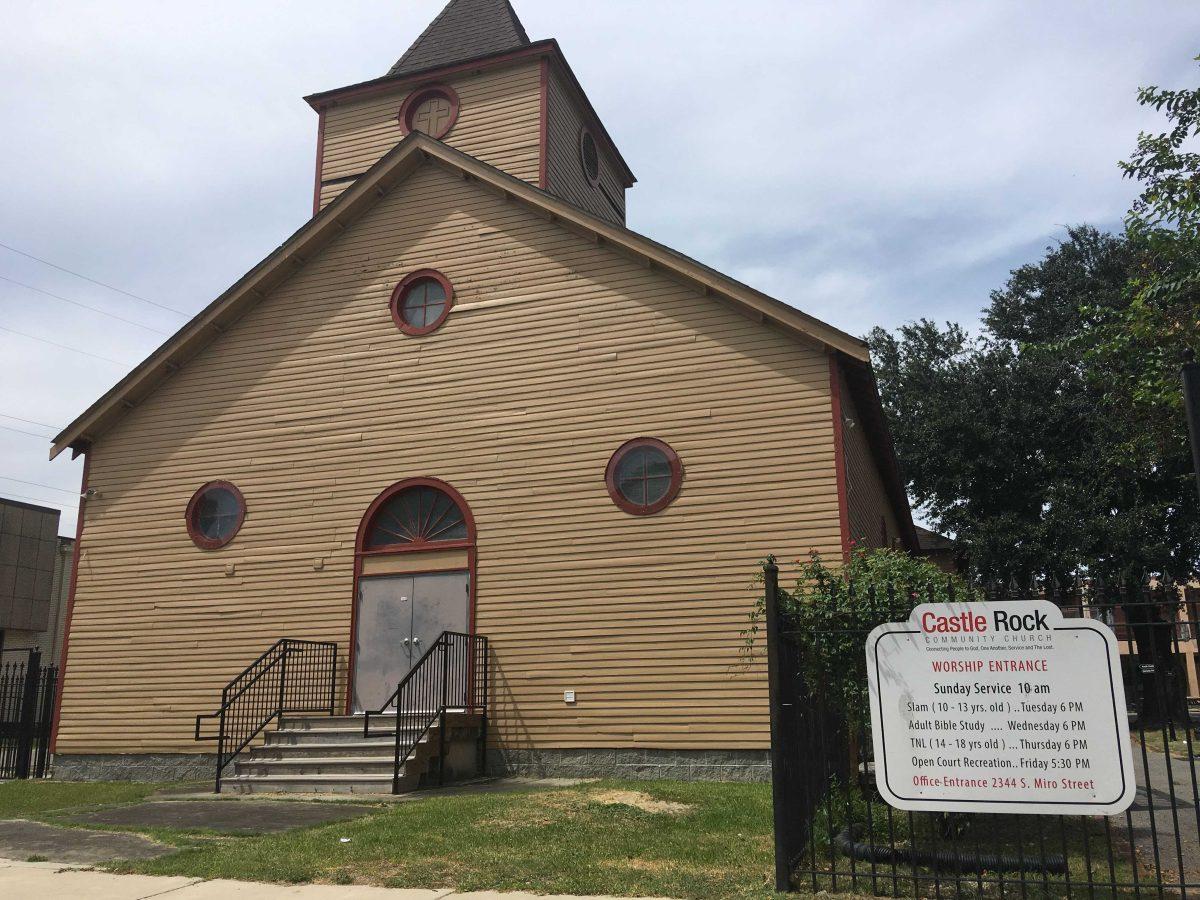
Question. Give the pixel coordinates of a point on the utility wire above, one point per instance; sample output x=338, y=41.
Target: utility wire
x=30, y=421
x=46, y=262
x=48, y=487
x=44, y=437
x=115, y=362
x=103, y=312
x=66, y=508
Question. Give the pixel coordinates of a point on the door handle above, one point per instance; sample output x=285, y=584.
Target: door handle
x=406, y=642
x=416, y=640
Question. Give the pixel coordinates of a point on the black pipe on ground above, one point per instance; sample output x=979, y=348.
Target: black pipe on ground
x=847, y=842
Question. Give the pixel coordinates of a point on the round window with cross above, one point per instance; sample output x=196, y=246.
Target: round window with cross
x=644, y=476
x=432, y=110
x=421, y=302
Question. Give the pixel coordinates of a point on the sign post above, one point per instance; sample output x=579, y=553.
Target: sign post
x=999, y=707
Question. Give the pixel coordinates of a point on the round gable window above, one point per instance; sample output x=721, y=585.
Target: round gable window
x=421, y=302
x=215, y=515
x=589, y=157
x=644, y=476
x=432, y=110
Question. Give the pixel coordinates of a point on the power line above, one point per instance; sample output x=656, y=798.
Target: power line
x=48, y=487
x=46, y=262
x=44, y=437
x=31, y=337
x=102, y=312
x=30, y=421
x=67, y=507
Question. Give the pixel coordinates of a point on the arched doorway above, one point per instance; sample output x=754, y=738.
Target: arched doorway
x=414, y=568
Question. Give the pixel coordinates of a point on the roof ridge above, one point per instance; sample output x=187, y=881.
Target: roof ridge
x=480, y=27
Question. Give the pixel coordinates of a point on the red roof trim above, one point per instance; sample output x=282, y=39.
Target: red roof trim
x=544, y=130
x=72, y=587
x=839, y=454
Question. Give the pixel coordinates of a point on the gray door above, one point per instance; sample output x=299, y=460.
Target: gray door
x=399, y=619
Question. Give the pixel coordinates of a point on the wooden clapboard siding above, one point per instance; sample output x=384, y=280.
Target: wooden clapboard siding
x=498, y=122
x=873, y=521
x=555, y=354
x=565, y=176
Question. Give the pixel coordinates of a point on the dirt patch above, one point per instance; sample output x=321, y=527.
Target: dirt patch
x=639, y=865
x=641, y=801
x=555, y=806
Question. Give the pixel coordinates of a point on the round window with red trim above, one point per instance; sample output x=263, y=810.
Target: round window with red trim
x=432, y=110
x=644, y=476
x=422, y=301
x=215, y=515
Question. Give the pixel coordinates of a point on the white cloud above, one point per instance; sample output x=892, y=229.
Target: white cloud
x=870, y=162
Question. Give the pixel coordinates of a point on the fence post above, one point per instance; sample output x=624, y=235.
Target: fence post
x=27, y=718
x=333, y=684
x=44, y=719
x=780, y=763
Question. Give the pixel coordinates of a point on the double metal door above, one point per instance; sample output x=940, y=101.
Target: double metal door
x=399, y=619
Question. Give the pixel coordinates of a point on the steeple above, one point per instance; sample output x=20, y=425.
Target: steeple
x=474, y=81
x=464, y=30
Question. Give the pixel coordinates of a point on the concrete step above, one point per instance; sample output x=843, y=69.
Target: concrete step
x=325, y=749
x=290, y=736
x=294, y=722
x=314, y=784
x=330, y=765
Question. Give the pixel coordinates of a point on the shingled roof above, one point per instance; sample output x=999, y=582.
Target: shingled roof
x=464, y=30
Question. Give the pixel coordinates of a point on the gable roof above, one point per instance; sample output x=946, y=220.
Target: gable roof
x=932, y=542
x=465, y=29
x=415, y=150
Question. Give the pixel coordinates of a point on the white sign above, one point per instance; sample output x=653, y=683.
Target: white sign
x=999, y=707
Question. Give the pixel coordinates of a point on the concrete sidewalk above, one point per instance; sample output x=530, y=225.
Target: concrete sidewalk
x=39, y=881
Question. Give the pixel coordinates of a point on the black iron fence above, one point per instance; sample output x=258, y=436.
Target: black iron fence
x=834, y=833
x=27, y=694
x=452, y=676
x=291, y=677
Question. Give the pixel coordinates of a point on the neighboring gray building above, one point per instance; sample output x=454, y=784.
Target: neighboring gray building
x=35, y=576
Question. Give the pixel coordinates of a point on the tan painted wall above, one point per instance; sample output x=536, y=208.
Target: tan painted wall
x=867, y=498
x=564, y=172
x=498, y=122
x=556, y=353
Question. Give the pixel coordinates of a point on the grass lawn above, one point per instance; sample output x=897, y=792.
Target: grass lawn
x=1178, y=748
x=660, y=839
x=33, y=799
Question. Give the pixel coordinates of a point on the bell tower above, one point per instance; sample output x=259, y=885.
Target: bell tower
x=474, y=80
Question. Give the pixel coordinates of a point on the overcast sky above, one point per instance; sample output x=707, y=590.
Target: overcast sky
x=868, y=162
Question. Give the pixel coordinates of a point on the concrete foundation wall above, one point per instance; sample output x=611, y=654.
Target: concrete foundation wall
x=685, y=765
x=134, y=767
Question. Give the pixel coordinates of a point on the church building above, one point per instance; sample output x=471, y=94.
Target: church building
x=462, y=399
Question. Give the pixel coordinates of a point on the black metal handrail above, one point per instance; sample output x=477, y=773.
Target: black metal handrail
x=451, y=676
x=292, y=676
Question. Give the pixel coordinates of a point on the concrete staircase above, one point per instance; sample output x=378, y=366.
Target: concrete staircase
x=328, y=754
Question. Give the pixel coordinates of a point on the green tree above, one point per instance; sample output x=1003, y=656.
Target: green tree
x=1134, y=350
x=1005, y=437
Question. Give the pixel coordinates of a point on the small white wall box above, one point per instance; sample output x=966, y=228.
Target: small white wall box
x=568, y=696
